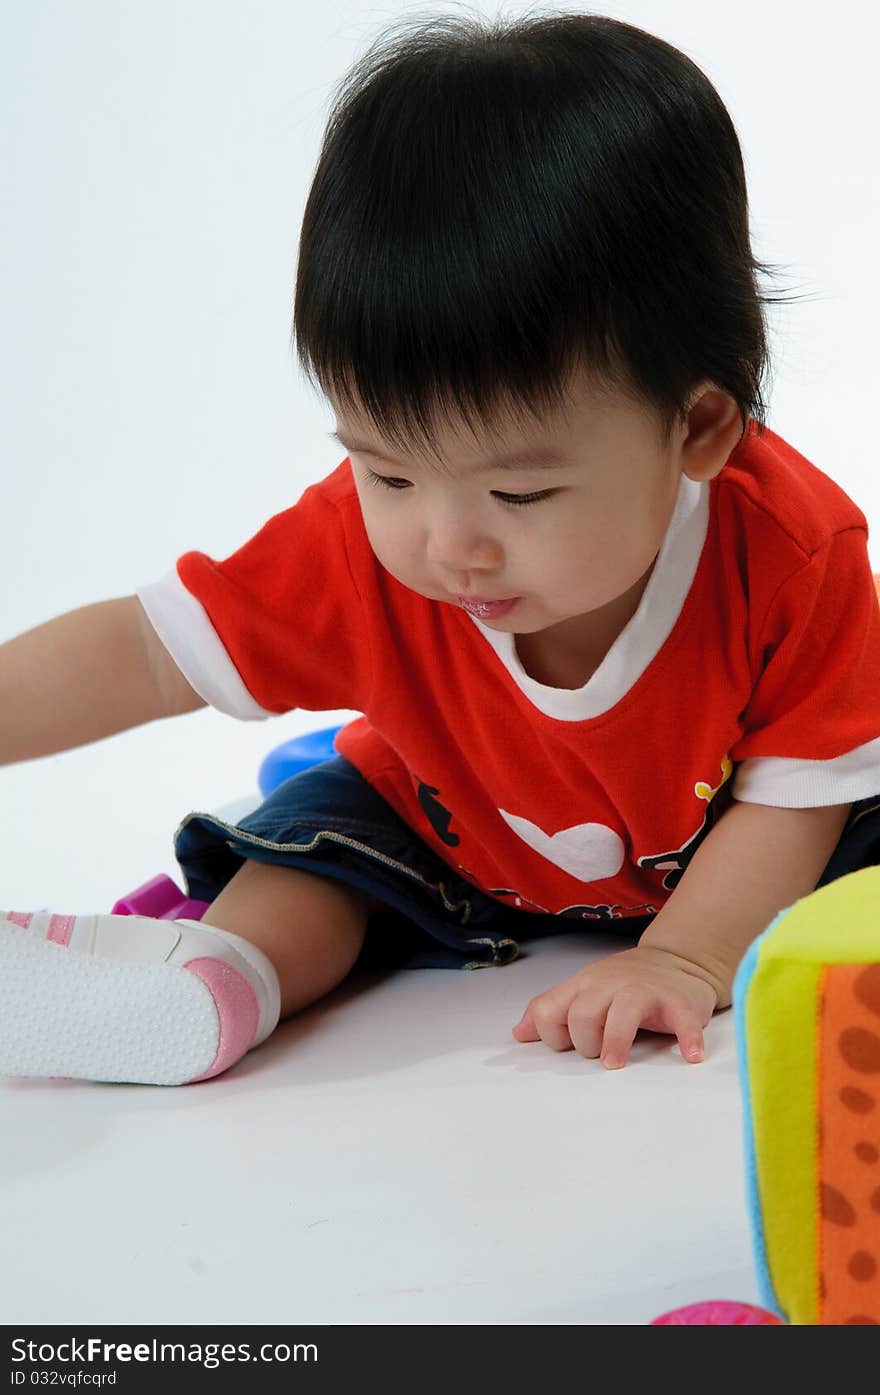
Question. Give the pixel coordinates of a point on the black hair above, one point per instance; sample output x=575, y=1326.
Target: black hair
x=497, y=203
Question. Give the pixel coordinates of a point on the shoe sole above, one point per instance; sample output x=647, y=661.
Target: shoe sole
x=73, y=1015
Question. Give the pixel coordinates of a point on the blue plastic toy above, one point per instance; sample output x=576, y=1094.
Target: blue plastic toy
x=291, y=757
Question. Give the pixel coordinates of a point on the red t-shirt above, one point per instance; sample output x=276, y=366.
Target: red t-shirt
x=750, y=670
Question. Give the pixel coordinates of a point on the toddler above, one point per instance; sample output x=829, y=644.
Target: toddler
x=615, y=642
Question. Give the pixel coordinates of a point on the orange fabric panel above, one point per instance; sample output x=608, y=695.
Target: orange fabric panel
x=848, y=1116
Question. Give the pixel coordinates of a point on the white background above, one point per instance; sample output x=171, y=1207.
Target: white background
x=392, y=1155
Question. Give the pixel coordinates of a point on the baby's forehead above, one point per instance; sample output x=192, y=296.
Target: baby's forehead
x=502, y=429
x=451, y=450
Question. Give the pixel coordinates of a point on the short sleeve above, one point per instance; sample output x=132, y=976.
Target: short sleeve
x=811, y=730
x=275, y=626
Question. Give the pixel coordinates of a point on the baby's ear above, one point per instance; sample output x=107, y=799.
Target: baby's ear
x=714, y=430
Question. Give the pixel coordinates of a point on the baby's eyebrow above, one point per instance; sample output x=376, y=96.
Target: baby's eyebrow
x=537, y=457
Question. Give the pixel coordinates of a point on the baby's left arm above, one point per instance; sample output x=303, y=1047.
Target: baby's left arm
x=756, y=861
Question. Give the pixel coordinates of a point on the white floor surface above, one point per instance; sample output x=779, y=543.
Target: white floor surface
x=390, y=1156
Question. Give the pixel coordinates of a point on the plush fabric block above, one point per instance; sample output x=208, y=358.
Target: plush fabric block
x=807, y=1008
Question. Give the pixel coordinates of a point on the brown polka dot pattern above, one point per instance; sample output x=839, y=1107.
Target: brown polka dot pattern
x=848, y=1146
x=860, y=1049
x=834, y=1206
x=862, y=1265
x=867, y=988
x=859, y=1101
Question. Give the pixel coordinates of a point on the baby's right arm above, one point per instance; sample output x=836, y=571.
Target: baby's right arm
x=85, y=675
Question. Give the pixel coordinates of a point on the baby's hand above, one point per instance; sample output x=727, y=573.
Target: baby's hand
x=600, y=1008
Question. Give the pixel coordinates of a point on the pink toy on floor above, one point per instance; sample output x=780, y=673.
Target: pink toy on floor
x=162, y=899
x=718, y=1313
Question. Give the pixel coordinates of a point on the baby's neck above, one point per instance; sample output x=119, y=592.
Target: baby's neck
x=567, y=655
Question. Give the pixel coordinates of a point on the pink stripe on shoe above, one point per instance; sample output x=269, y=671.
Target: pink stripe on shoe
x=237, y=1008
x=60, y=928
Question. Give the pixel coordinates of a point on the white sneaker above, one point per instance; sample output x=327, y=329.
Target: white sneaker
x=129, y=998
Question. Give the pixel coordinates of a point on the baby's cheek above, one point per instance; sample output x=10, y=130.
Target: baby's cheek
x=383, y=540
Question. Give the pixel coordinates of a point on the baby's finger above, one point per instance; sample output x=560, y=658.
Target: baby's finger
x=689, y=1033
x=691, y=1045
x=544, y=1020
x=525, y=1029
x=550, y=1017
x=621, y=1024
x=586, y=1023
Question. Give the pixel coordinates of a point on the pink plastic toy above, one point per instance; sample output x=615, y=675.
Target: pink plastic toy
x=718, y=1313
x=162, y=899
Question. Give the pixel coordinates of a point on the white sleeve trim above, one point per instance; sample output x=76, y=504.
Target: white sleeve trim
x=182, y=624
x=809, y=784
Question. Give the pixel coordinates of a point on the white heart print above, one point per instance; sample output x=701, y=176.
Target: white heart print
x=588, y=851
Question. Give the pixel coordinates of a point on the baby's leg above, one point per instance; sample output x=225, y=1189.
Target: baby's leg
x=129, y=998
x=310, y=927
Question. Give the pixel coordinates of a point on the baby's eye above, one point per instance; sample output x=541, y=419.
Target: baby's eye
x=514, y=500
x=518, y=500
x=390, y=483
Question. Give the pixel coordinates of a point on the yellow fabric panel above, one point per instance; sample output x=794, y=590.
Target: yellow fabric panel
x=837, y=924
x=780, y=1032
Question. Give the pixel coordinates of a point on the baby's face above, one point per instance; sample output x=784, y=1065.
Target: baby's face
x=589, y=533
